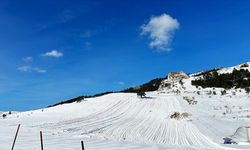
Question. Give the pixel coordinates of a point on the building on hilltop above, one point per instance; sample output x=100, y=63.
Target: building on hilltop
x=175, y=76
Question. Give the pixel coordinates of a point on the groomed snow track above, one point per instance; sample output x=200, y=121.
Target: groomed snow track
x=115, y=121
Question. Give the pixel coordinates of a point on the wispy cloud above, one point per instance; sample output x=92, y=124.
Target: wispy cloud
x=53, y=53
x=160, y=30
x=31, y=69
x=105, y=27
x=88, y=33
x=66, y=16
x=39, y=70
x=24, y=68
x=62, y=17
x=28, y=59
x=120, y=83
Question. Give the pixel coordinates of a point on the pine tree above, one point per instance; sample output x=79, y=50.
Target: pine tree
x=223, y=92
x=247, y=89
x=141, y=94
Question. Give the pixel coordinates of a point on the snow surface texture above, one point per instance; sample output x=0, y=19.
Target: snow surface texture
x=123, y=121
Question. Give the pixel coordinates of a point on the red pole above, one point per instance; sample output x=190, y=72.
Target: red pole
x=82, y=145
x=15, y=137
x=41, y=138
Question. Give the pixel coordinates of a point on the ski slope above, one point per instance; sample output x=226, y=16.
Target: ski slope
x=114, y=121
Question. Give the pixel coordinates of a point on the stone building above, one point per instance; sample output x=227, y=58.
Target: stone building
x=175, y=76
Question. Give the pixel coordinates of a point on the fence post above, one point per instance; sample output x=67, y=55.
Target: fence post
x=14, y=142
x=82, y=145
x=41, y=139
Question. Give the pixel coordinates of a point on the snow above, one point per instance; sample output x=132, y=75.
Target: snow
x=241, y=135
x=123, y=121
x=230, y=69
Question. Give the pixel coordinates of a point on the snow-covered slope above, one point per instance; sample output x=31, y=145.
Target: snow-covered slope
x=123, y=121
x=245, y=66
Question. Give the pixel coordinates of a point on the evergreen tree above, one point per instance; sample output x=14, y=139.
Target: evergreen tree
x=247, y=89
x=181, y=82
x=238, y=79
x=223, y=92
x=141, y=94
x=4, y=115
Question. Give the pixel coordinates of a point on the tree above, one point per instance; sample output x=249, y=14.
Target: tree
x=198, y=92
x=247, y=89
x=4, y=115
x=223, y=92
x=78, y=100
x=141, y=94
x=209, y=93
x=244, y=65
x=181, y=82
x=237, y=78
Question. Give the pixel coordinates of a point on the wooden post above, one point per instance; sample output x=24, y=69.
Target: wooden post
x=41, y=139
x=82, y=145
x=14, y=142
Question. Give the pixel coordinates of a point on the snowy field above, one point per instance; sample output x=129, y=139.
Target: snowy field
x=124, y=121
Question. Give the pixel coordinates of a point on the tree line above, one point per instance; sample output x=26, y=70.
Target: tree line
x=237, y=79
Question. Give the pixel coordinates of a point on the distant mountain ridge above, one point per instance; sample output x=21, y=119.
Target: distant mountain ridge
x=230, y=77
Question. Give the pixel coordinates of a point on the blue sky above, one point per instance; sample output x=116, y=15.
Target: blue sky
x=55, y=50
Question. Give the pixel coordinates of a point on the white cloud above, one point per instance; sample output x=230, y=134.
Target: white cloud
x=88, y=34
x=106, y=26
x=28, y=59
x=120, y=83
x=24, y=69
x=31, y=69
x=66, y=16
x=160, y=30
x=39, y=70
x=53, y=53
